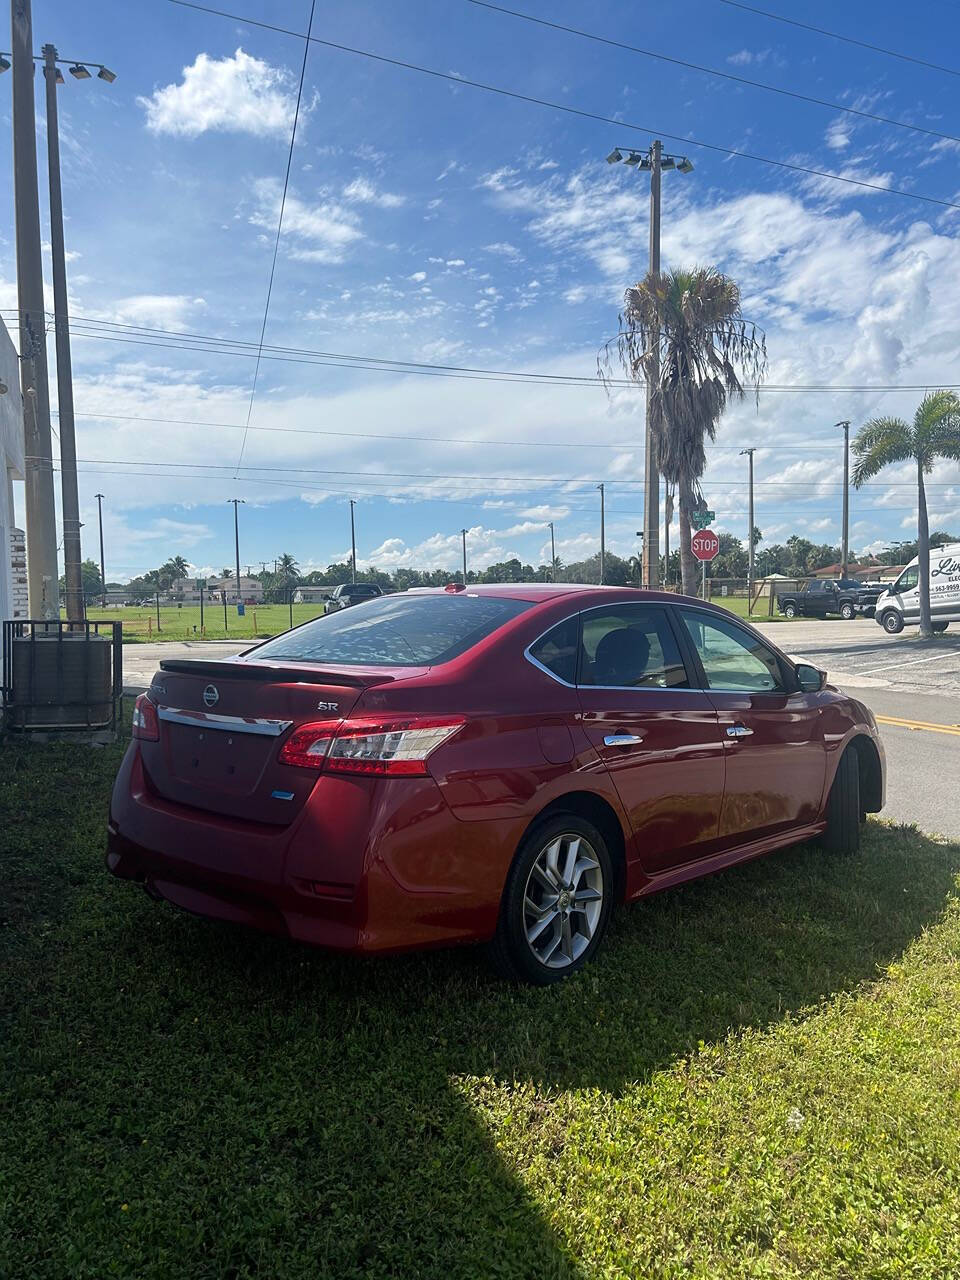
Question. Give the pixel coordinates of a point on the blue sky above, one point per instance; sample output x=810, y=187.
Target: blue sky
x=427, y=221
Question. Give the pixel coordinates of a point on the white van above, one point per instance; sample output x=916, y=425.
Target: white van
x=900, y=605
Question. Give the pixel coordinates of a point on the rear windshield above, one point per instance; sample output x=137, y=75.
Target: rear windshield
x=395, y=631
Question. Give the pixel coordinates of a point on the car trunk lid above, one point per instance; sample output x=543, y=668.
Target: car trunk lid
x=222, y=725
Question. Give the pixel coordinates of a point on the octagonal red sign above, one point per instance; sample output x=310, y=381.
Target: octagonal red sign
x=705, y=544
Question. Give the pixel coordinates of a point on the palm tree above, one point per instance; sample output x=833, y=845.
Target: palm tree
x=287, y=567
x=684, y=332
x=178, y=566
x=934, y=434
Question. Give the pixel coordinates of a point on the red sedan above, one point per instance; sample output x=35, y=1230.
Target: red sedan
x=500, y=764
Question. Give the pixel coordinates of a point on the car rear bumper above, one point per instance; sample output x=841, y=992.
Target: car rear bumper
x=368, y=865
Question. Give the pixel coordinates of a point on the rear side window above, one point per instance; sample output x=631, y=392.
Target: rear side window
x=396, y=631
x=557, y=650
x=630, y=646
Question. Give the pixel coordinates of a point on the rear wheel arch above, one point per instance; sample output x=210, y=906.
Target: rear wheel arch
x=595, y=809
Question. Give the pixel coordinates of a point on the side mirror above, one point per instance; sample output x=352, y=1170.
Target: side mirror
x=810, y=679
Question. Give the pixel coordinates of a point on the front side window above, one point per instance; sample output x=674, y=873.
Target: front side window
x=630, y=646
x=732, y=658
x=907, y=580
x=395, y=631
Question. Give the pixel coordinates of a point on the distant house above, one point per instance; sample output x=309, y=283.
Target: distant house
x=251, y=589
x=866, y=570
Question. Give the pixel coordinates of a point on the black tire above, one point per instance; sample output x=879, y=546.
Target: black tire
x=843, y=807
x=789, y=611
x=940, y=627
x=511, y=955
x=847, y=612
x=892, y=622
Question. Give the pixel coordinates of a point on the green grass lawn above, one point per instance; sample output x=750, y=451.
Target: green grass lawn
x=759, y=1077
x=140, y=625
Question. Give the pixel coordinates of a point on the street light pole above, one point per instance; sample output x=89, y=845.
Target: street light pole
x=236, y=538
x=553, y=554
x=845, y=544
x=68, y=441
x=655, y=162
x=603, y=536
x=749, y=453
x=103, y=576
x=353, y=543
x=463, y=535
x=39, y=505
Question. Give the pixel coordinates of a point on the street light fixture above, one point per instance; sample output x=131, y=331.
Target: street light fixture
x=4, y=63
x=105, y=74
x=653, y=161
x=79, y=71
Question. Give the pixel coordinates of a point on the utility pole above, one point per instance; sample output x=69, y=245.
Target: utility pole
x=236, y=540
x=553, y=554
x=845, y=544
x=68, y=440
x=353, y=543
x=651, y=477
x=603, y=535
x=39, y=506
x=463, y=535
x=103, y=576
x=749, y=453
x=655, y=161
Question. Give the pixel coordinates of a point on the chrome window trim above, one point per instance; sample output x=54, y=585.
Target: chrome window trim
x=226, y=724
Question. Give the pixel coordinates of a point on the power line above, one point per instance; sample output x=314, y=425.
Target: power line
x=375, y=477
x=276, y=246
x=713, y=71
x=83, y=327
x=462, y=81
x=835, y=35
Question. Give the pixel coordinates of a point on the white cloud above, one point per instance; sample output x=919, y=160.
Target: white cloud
x=838, y=134
x=320, y=233
x=505, y=250
x=361, y=191
x=418, y=277
x=745, y=57
x=242, y=94
x=155, y=310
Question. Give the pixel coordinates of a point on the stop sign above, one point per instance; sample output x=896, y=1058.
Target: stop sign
x=705, y=544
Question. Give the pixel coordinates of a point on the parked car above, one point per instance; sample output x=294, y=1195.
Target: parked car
x=822, y=597
x=900, y=605
x=349, y=593
x=499, y=764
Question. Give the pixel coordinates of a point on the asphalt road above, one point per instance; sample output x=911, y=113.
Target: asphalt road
x=901, y=678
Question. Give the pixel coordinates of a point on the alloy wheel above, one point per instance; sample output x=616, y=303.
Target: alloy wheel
x=563, y=900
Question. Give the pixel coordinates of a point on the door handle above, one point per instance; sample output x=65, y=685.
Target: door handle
x=622, y=739
x=738, y=731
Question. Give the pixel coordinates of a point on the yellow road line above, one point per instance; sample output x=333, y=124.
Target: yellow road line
x=920, y=724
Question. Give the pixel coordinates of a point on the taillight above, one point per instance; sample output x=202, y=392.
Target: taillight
x=146, y=723
x=395, y=745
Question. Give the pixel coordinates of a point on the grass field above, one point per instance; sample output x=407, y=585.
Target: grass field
x=140, y=625
x=759, y=1077
x=184, y=623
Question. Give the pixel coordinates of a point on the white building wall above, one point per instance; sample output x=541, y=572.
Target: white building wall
x=12, y=561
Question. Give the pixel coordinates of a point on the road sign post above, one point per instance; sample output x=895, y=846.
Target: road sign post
x=705, y=545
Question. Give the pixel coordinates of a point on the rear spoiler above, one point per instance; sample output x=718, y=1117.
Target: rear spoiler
x=267, y=670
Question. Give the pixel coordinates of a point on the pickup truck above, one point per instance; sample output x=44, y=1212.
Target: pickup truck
x=350, y=593
x=821, y=597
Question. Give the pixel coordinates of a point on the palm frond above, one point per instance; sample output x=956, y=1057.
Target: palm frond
x=879, y=443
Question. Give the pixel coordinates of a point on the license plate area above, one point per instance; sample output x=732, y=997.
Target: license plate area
x=217, y=759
